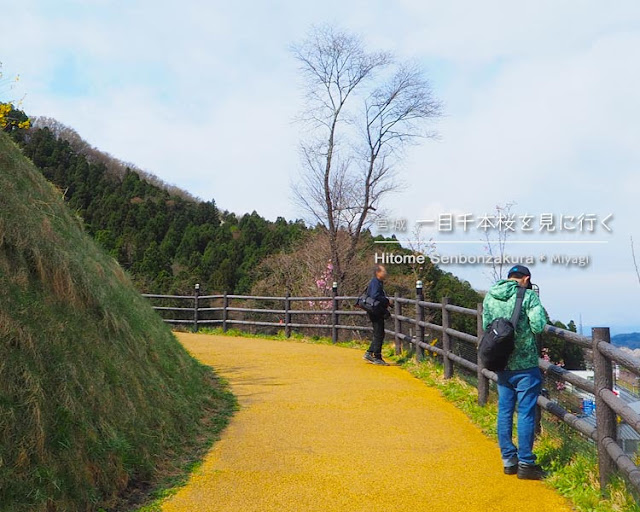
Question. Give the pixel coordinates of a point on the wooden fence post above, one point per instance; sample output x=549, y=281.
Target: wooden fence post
x=407, y=346
x=225, y=312
x=544, y=392
x=397, y=326
x=419, y=318
x=446, y=339
x=605, y=417
x=334, y=314
x=195, y=307
x=539, y=410
x=483, y=382
x=287, y=315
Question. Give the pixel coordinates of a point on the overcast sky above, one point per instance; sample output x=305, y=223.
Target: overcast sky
x=540, y=98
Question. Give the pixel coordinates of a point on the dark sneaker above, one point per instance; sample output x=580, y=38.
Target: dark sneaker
x=531, y=472
x=369, y=357
x=510, y=466
x=511, y=470
x=379, y=361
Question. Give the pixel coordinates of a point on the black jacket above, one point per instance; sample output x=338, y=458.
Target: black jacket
x=375, y=290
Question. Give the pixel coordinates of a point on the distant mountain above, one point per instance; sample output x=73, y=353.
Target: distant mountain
x=631, y=340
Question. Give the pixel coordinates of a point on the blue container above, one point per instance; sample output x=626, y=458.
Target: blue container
x=588, y=406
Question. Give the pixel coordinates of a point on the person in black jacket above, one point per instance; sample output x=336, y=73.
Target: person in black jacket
x=375, y=290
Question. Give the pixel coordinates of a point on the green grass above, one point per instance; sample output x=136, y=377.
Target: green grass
x=99, y=403
x=295, y=336
x=569, y=458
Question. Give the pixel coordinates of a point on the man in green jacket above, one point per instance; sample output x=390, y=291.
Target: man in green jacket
x=521, y=381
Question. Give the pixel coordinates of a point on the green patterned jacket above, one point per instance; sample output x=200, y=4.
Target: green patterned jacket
x=499, y=302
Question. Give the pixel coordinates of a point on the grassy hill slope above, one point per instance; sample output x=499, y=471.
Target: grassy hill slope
x=97, y=397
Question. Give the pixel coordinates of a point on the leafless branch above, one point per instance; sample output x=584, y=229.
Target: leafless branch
x=635, y=262
x=497, y=248
x=362, y=108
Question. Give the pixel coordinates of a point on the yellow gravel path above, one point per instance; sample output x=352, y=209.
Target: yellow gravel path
x=321, y=430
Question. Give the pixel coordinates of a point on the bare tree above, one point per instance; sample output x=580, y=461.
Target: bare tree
x=8, y=83
x=362, y=108
x=419, y=246
x=298, y=272
x=635, y=261
x=496, y=248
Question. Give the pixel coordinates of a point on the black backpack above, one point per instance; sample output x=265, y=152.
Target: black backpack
x=498, y=340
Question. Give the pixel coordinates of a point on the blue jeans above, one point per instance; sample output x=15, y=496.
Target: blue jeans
x=521, y=387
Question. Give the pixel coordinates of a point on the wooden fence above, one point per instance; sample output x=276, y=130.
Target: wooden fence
x=413, y=312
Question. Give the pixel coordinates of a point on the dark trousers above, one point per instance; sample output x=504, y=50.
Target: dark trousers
x=377, y=321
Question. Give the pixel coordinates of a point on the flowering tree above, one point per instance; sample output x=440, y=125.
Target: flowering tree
x=323, y=282
x=560, y=385
x=324, y=285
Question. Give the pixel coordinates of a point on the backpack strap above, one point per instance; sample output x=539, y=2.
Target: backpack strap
x=518, y=307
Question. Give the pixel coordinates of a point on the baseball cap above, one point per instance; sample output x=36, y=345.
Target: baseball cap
x=519, y=269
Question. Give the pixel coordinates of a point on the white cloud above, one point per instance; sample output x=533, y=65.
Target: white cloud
x=472, y=33
x=540, y=98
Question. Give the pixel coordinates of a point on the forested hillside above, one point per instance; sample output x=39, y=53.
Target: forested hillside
x=166, y=240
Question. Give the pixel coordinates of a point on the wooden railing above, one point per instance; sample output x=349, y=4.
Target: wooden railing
x=609, y=406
